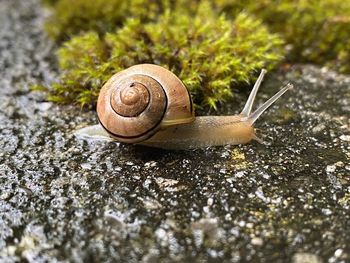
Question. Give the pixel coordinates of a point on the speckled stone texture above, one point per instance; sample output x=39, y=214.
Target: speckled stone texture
x=63, y=199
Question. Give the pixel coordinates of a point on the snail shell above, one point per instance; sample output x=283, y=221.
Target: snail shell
x=139, y=101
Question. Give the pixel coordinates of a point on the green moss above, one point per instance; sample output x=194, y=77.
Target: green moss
x=73, y=17
x=82, y=61
x=69, y=18
x=210, y=54
x=315, y=31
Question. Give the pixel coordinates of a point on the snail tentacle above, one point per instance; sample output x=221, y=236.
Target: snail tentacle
x=250, y=101
x=256, y=114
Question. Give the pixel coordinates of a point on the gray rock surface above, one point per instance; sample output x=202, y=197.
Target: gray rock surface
x=67, y=200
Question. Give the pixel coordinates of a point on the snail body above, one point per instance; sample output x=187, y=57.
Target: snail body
x=204, y=131
x=126, y=112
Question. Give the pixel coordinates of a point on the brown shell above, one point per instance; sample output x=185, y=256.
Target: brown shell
x=135, y=103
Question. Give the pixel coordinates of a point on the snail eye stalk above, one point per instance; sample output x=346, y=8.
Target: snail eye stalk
x=256, y=114
x=249, y=104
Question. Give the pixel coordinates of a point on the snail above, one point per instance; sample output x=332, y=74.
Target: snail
x=149, y=105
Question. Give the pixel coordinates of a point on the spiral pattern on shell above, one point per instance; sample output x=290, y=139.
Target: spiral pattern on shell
x=135, y=103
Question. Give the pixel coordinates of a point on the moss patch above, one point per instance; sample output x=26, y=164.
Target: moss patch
x=314, y=31
x=212, y=47
x=211, y=54
x=73, y=17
